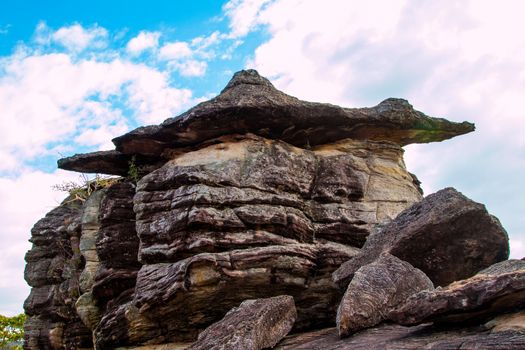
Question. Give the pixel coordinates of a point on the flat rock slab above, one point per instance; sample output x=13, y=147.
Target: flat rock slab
x=475, y=299
x=396, y=337
x=447, y=236
x=251, y=104
x=108, y=162
x=254, y=325
x=377, y=289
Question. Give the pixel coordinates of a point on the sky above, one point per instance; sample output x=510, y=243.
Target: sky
x=73, y=75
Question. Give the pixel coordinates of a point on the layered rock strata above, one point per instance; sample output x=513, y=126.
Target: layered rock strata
x=252, y=194
x=53, y=268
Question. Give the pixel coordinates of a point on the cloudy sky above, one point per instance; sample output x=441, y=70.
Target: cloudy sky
x=74, y=76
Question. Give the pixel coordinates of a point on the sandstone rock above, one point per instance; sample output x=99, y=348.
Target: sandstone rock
x=250, y=104
x=250, y=195
x=254, y=325
x=503, y=267
x=514, y=321
x=447, y=236
x=474, y=300
x=377, y=289
x=179, y=294
x=396, y=337
x=53, y=269
x=109, y=162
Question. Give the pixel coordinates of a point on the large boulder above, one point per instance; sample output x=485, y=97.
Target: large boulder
x=253, y=325
x=377, y=289
x=472, y=300
x=447, y=236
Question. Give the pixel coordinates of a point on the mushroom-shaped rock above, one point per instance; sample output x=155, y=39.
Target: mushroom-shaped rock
x=251, y=104
x=447, y=236
x=377, y=289
x=254, y=325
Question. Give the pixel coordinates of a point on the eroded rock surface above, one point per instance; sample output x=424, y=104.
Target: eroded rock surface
x=252, y=194
x=396, y=337
x=472, y=300
x=253, y=325
x=377, y=289
x=447, y=236
x=53, y=268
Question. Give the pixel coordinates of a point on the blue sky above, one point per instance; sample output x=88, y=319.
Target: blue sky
x=75, y=74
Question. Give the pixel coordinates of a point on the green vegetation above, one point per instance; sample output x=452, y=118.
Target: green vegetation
x=133, y=170
x=12, y=331
x=80, y=191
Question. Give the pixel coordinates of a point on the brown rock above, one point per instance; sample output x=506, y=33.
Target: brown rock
x=109, y=162
x=447, y=236
x=396, y=337
x=251, y=104
x=254, y=325
x=472, y=300
x=377, y=289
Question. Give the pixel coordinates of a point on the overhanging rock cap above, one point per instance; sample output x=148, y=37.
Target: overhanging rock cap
x=251, y=104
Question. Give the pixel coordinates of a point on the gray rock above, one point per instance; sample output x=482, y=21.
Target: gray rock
x=251, y=104
x=396, y=337
x=472, y=300
x=377, y=289
x=253, y=325
x=447, y=236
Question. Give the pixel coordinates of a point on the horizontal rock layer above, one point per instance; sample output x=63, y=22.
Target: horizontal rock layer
x=250, y=104
x=53, y=268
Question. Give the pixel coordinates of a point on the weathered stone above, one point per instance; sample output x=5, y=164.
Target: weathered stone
x=179, y=294
x=474, y=300
x=503, y=267
x=395, y=337
x=250, y=195
x=53, y=269
x=250, y=104
x=109, y=162
x=514, y=321
x=377, y=289
x=253, y=325
x=447, y=236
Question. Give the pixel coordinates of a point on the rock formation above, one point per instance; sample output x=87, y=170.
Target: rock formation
x=251, y=195
x=376, y=289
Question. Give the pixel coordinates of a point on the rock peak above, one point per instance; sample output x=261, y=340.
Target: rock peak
x=248, y=77
x=250, y=104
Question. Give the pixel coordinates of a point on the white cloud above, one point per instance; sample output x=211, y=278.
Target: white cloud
x=190, y=68
x=175, y=50
x=47, y=98
x=23, y=201
x=243, y=15
x=74, y=38
x=517, y=249
x=145, y=40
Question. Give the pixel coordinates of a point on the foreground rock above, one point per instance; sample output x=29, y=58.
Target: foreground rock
x=472, y=300
x=447, y=236
x=377, y=289
x=254, y=325
x=396, y=337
